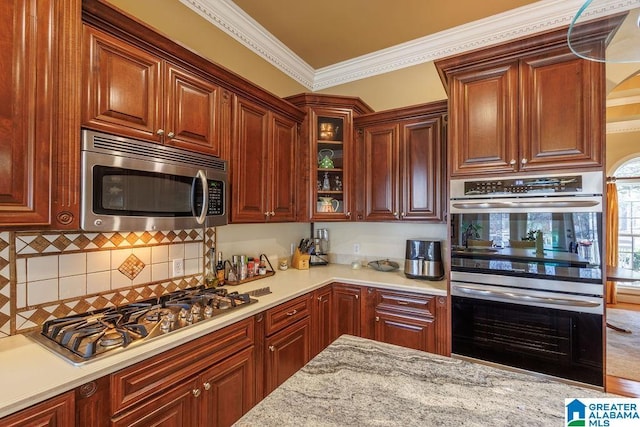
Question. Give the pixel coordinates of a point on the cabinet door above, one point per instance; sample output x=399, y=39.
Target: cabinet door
x=347, y=310
x=282, y=173
x=175, y=408
x=286, y=352
x=249, y=157
x=422, y=170
x=381, y=177
x=405, y=330
x=55, y=412
x=228, y=390
x=562, y=114
x=26, y=87
x=123, y=88
x=483, y=122
x=322, y=316
x=192, y=107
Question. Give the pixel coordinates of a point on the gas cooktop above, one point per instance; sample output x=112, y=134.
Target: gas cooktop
x=88, y=336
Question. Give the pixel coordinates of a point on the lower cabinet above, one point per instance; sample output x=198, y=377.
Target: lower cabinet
x=322, y=319
x=347, y=311
x=288, y=340
x=55, y=412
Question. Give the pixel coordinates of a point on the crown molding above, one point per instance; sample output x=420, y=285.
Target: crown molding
x=527, y=20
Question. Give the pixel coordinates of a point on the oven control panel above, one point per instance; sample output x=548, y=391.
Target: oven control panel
x=564, y=184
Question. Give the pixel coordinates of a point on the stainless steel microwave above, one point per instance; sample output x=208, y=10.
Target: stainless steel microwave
x=132, y=185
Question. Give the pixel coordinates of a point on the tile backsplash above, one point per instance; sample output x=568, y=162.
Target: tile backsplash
x=46, y=275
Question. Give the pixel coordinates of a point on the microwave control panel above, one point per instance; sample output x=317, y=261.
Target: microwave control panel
x=216, y=197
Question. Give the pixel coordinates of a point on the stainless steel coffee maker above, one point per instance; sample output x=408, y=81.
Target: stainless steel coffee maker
x=423, y=260
x=320, y=253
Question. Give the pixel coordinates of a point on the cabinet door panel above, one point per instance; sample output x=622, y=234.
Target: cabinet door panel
x=406, y=331
x=283, y=174
x=228, y=390
x=55, y=412
x=26, y=86
x=422, y=162
x=122, y=87
x=381, y=151
x=560, y=118
x=192, y=108
x=249, y=163
x=347, y=310
x=286, y=352
x=483, y=120
x=322, y=317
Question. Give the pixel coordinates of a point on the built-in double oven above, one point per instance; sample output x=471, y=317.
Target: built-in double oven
x=526, y=273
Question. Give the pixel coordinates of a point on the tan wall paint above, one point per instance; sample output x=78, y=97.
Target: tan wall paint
x=620, y=148
x=409, y=86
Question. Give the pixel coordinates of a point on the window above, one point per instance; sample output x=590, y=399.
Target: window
x=629, y=214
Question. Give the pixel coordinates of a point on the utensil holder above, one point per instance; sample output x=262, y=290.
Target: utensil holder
x=300, y=260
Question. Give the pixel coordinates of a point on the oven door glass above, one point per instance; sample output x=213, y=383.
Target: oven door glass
x=550, y=341
x=504, y=243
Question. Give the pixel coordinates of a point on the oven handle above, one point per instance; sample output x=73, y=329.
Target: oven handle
x=527, y=298
x=200, y=219
x=527, y=204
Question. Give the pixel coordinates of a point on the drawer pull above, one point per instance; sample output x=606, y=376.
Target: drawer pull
x=207, y=386
x=403, y=303
x=272, y=348
x=291, y=313
x=196, y=392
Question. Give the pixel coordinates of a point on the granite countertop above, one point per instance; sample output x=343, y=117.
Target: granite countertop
x=360, y=382
x=24, y=361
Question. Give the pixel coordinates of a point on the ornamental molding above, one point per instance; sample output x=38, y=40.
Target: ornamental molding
x=524, y=21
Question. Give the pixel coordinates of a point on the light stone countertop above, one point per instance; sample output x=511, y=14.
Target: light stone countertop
x=31, y=374
x=360, y=382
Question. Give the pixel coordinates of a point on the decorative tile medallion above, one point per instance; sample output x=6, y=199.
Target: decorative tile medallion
x=131, y=267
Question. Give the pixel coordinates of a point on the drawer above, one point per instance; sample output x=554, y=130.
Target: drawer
x=406, y=301
x=287, y=314
x=155, y=375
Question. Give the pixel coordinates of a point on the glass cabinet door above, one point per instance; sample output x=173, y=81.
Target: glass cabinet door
x=331, y=169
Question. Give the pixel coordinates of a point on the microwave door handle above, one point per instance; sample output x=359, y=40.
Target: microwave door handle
x=200, y=219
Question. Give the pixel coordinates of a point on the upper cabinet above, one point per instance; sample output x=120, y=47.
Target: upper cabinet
x=328, y=157
x=402, y=159
x=132, y=92
x=39, y=116
x=263, y=165
x=528, y=105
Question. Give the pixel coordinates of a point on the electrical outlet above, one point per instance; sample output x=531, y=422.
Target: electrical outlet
x=293, y=248
x=356, y=248
x=178, y=267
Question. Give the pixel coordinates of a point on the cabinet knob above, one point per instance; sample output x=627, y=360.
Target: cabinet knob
x=272, y=213
x=171, y=134
x=357, y=296
x=377, y=319
x=524, y=161
x=320, y=298
x=272, y=348
x=395, y=214
x=348, y=214
x=207, y=386
x=402, y=214
x=266, y=214
x=196, y=392
x=291, y=313
x=160, y=132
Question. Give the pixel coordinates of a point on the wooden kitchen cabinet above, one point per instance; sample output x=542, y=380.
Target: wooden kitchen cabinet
x=328, y=190
x=411, y=320
x=347, y=309
x=55, y=412
x=402, y=172
x=132, y=92
x=526, y=106
x=322, y=319
x=288, y=340
x=263, y=165
x=39, y=116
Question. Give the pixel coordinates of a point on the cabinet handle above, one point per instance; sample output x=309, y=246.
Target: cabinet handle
x=523, y=161
x=272, y=348
x=207, y=386
x=377, y=319
x=395, y=214
x=196, y=392
x=266, y=214
x=402, y=214
x=357, y=296
x=272, y=213
x=291, y=313
x=171, y=134
x=403, y=303
x=320, y=298
x=348, y=214
x=160, y=132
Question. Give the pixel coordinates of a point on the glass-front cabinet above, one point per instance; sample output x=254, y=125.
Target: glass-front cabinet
x=330, y=157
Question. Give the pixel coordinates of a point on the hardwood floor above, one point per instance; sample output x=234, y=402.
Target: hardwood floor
x=622, y=386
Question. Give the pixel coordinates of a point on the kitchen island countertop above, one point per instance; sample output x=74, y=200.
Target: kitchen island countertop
x=32, y=374
x=360, y=382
